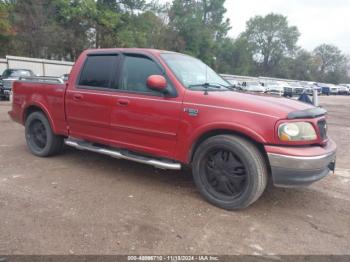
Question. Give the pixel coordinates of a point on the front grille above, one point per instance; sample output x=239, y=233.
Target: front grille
x=322, y=126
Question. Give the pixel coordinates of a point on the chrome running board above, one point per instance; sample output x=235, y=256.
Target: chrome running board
x=83, y=145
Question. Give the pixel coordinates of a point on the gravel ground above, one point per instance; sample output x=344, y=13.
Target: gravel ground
x=85, y=203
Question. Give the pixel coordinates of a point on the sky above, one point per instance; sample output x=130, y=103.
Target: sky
x=319, y=21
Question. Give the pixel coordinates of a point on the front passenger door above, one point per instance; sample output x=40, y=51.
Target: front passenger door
x=144, y=119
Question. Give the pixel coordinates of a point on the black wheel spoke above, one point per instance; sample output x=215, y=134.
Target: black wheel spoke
x=225, y=172
x=37, y=134
x=223, y=186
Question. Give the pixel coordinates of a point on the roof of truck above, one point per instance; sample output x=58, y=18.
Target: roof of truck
x=146, y=50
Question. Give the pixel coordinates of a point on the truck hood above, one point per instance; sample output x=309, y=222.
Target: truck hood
x=274, y=106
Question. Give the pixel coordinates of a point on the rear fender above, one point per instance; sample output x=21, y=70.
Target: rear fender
x=40, y=106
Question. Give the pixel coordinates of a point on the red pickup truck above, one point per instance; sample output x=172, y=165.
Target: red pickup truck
x=168, y=110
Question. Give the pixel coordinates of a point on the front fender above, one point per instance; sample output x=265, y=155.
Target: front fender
x=212, y=128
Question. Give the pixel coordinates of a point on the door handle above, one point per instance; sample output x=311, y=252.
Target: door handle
x=78, y=97
x=123, y=102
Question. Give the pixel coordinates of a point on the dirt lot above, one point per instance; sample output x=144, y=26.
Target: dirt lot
x=85, y=203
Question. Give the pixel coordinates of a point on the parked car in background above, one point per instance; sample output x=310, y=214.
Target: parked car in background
x=333, y=89
x=294, y=89
x=343, y=90
x=234, y=83
x=253, y=86
x=309, y=88
x=65, y=77
x=233, y=80
x=325, y=88
x=7, y=78
x=346, y=85
x=274, y=87
x=282, y=88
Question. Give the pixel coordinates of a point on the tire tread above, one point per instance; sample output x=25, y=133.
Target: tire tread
x=257, y=157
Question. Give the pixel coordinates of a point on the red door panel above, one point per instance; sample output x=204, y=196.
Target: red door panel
x=88, y=114
x=146, y=123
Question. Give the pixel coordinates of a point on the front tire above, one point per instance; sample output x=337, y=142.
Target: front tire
x=229, y=171
x=40, y=138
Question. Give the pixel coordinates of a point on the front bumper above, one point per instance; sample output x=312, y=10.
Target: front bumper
x=298, y=166
x=5, y=92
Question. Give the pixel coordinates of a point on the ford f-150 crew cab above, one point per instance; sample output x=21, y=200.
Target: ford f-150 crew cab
x=168, y=110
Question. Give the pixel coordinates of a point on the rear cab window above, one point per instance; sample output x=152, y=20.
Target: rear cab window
x=99, y=71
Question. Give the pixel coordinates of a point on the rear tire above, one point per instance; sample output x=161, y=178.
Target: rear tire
x=40, y=138
x=229, y=171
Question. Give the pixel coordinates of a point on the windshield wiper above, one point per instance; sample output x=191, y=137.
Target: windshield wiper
x=230, y=87
x=205, y=85
x=213, y=85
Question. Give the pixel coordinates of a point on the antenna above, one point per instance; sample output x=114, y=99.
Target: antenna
x=206, y=73
x=206, y=84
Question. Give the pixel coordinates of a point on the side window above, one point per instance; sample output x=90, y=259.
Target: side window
x=136, y=70
x=98, y=71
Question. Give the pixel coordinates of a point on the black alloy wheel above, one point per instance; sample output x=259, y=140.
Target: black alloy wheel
x=40, y=137
x=229, y=171
x=37, y=134
x=225, y=173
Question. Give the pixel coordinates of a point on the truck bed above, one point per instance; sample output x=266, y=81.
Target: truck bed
x=45, y=93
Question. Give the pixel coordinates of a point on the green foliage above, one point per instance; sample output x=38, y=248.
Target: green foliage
x=332, y=65
x=62, y=29
x=234, y=57
x=270, y=39
x=6, y=29
x=200, y=26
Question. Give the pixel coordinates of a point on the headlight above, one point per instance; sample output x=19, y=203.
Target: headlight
x=297, y=131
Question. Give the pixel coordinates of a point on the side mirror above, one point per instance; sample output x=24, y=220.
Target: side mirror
x=157, y=82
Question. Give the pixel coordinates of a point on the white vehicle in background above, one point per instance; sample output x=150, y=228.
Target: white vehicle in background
x=333, y=89
x=253, y=86
x=309, y=88
x=274, y=87
x=344, y=89
x=233, y=82
x=281, y=88
x=294, y=89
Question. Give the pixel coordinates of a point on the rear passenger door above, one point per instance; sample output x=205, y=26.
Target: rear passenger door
x=90, y=101
x=143, y=119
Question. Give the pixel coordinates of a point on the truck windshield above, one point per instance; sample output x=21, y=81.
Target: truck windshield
x=16, y=73
x=193, y=72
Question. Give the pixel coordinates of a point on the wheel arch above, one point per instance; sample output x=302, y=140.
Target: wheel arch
x=257, y=141
x=31, y=108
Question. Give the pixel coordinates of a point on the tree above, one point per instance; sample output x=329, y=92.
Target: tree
x=329, y=58
x=62, y=29
x=31, y=20
x=6, y=29
x=270, y=38
x=332, y=65
x=234, y=57
x=200, y=25
x=300, y=67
